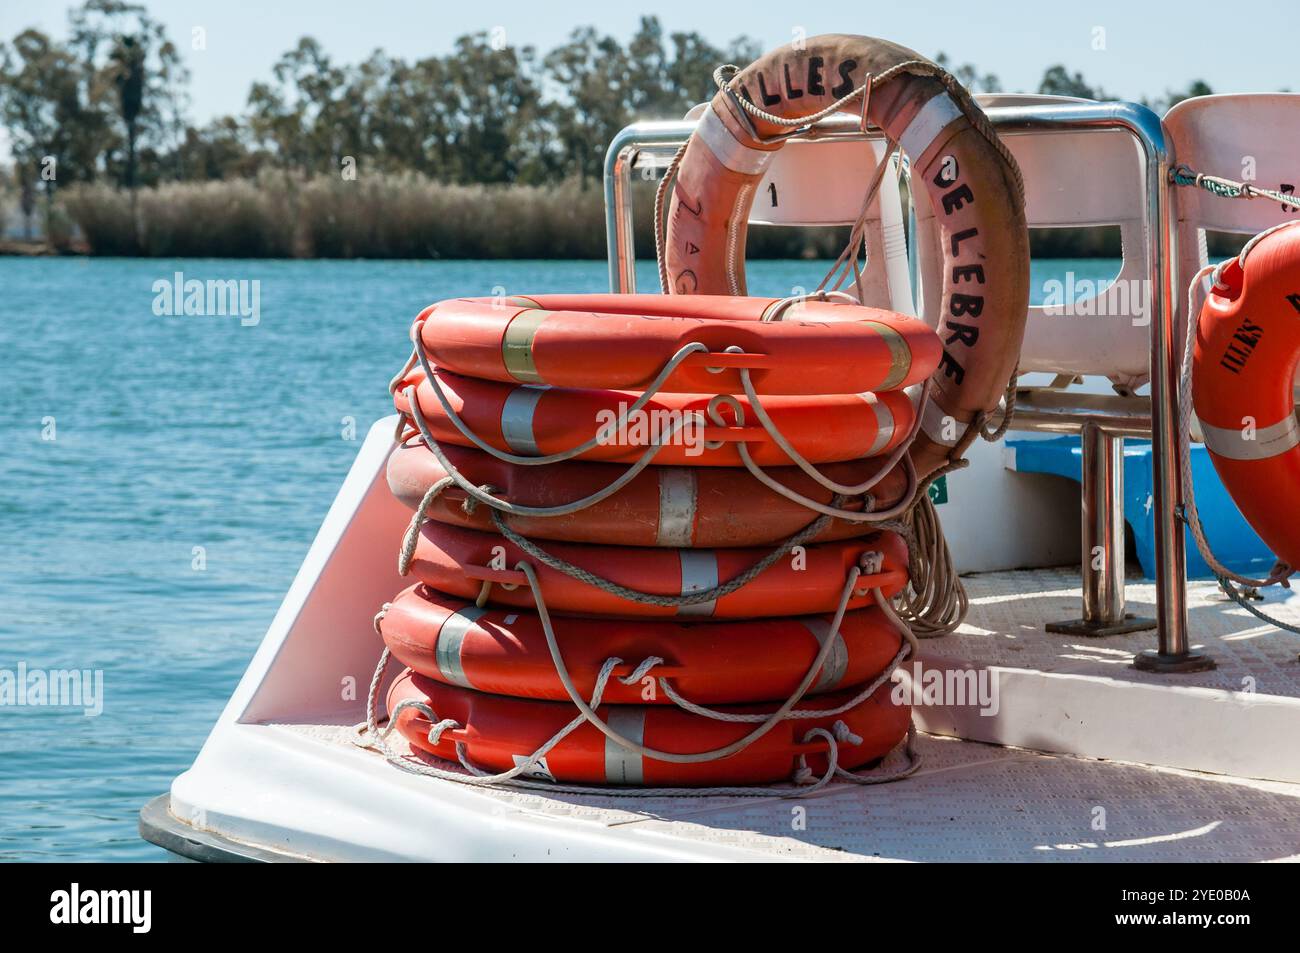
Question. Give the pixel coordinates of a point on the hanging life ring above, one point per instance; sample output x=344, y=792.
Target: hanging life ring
x=967, y=172
x=1243, y=369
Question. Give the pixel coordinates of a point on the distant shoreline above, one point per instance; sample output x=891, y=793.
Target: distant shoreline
x=390, y=217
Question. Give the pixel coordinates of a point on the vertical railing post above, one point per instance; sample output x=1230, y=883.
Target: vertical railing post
x=1173, y=654
x=1102, y=538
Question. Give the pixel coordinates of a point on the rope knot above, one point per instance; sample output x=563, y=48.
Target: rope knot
x=844, y=734
x=436, y=731
x=802, y=773
x=872, y=562
x=641, y=670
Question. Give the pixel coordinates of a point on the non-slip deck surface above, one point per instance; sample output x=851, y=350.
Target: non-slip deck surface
x=978, y=802
x=1008, y=610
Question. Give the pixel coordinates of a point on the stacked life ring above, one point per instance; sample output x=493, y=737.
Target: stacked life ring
x=646, y=545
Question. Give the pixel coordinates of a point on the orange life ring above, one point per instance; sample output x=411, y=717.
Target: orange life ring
x=498, y=732
x=533, y=420
x=972, y=182
x=504, y=651
x=622, y=342
x=704, y=507
x=1244, y=366
x=457, y=561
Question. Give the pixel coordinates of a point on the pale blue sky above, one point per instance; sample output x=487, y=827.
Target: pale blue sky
x=1148, y=46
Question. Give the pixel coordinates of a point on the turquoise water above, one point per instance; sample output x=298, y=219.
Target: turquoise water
x=171, y=433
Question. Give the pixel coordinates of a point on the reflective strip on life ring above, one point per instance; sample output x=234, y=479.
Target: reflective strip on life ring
x=820, y=347
x=805, y=582
x=1247, y=350
x=1243, y=443
x=499, y=732
x=708, y=507
x=971, y=183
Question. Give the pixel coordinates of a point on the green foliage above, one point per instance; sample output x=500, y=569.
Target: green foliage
x=432, y=142
x=1058, y=81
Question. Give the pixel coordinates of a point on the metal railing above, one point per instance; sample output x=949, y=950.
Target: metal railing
x=1102, y=420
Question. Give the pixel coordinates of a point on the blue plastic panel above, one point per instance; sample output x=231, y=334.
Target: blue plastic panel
x=1234, y=543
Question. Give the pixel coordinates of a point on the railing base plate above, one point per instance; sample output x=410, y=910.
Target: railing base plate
x=1130, y=623
x=1152, y=661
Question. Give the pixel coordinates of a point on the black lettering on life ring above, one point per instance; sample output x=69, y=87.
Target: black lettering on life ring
x=968, y=273
x=951, y=368
x=682, y=287
x=967, y=334
x=815, y=86
x=769, y=99
x=959, y=237
x=1242, y=346
x=846, y=84
x=791, y=91
x=1294, y=301
x=965, y=305
x=957, y=199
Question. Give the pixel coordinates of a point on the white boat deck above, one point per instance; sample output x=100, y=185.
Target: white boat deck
x=1008, y=610
x=970, y=801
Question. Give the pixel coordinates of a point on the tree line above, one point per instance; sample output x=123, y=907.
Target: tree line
x=107, y=105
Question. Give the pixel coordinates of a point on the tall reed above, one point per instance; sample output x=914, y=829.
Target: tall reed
x=374, y=216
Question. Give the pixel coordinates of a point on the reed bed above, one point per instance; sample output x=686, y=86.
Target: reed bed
x=377, y=216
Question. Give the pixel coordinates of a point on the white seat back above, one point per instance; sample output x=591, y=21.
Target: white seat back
x=1072, y=179
x=823, y=182
x=1251, y=137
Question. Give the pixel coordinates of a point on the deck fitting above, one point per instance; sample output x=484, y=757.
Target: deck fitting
x=1096, y=629
x=1152, y=661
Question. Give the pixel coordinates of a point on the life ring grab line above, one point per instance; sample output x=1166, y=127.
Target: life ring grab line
x=1189, y=512
x=697, y=595
x=587, y=713
x=443, y=653
x=701, y=597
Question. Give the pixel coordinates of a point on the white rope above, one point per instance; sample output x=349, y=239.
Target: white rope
x=766, y=721
x=517, y=509
x=653, y=389
x=1191, y=516
x=909, y=648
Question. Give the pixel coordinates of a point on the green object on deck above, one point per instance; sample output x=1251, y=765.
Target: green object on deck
x=938, y=490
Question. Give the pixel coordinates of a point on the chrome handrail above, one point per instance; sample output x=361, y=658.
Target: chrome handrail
x=1173, y=652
